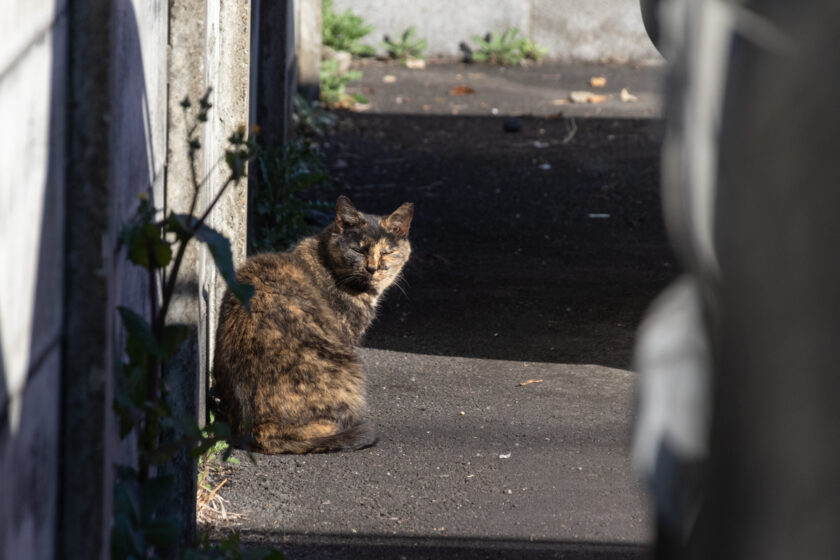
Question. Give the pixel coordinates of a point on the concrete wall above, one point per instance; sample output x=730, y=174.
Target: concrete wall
x=85, y=101
x=593, y=30
x=308, y=25
x=32, y=191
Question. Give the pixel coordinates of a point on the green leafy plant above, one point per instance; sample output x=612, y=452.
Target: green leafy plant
x=141, y=527
x=499, y=48
x=532, y=50
x=311, y=118
x=281, y=211
x=407, y=46
x=344, y=31
x=505, y=48
x=334, y=86
x=229, y=548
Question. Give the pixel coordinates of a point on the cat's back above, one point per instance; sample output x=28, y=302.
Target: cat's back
x=285, y=284
x=277, y=272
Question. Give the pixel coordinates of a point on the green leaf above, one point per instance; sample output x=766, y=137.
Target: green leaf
x=126, y=501
x=179, y=224
x=171, y=338
x=139, y=332
x=219, y=247
x=154, y=492
x=360, y=98
x=146, y=248
x=126, y=542
x=162, y=531
x=353, y=75
x=164, y=452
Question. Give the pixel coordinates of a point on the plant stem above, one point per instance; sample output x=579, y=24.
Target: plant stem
x=169, y=287
x=219, y=194
x=152, y=378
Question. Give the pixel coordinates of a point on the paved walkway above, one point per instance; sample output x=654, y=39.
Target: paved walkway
x=534, y=259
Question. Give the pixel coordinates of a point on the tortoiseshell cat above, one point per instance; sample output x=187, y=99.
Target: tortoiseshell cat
x=287, y=372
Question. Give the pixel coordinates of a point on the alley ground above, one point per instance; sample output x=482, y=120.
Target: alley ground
x=535, y=255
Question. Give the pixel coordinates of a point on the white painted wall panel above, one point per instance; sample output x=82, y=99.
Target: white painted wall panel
x=31, y=274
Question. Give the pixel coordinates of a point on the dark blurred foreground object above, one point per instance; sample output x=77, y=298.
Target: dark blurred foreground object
x=751, y=188
x=650, y=18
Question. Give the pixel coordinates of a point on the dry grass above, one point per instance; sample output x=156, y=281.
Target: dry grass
x=211, y=507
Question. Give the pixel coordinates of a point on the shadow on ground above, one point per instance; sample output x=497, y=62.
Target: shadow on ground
x=545, y=244
x=535, y=255
x=340, y=547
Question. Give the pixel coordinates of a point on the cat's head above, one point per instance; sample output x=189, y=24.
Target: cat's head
x=367, y=252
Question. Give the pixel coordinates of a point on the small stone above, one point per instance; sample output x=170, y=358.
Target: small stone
x=511, y=124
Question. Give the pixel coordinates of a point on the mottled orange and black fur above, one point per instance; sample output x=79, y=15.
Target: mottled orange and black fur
x=287, y=371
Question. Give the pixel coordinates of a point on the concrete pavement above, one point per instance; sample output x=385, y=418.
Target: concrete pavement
x=535, y=255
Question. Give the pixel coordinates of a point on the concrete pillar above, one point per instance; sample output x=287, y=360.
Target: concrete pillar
x=276, y=79
x=87, y=445
x=308, y=24
x=209, y=46
x=185, y=74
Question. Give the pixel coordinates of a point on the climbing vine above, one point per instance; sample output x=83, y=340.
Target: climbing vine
x=142, y=529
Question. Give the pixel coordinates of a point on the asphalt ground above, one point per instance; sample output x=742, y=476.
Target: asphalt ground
x=535, y=255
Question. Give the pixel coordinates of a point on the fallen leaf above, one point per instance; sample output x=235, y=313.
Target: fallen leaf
x=389, y=78
x=461, y=90
x=595, y=98
x=628, y=97
x=597, y=81
x=560, y=102
x=580, y=96
x=528, y=382
x=415, y=63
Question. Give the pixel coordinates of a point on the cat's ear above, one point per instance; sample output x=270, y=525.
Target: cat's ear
x=346, y=215
x=398, y=223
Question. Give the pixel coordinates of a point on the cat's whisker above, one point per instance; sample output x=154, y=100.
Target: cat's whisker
x=398, y=284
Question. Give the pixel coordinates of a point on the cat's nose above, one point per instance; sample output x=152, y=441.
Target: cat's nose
x=370, y=269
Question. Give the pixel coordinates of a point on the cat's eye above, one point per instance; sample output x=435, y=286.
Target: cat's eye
x=359, y=250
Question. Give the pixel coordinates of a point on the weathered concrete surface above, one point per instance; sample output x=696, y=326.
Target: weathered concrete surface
x=276, y=61
x=201, y=33
x=308, y=24
x=83, y=99
x=511, y=278
x=499, y=91
x=227, y=70
x=31, y=285
x=86, y=439
x=569, y=29
x=465, y=453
